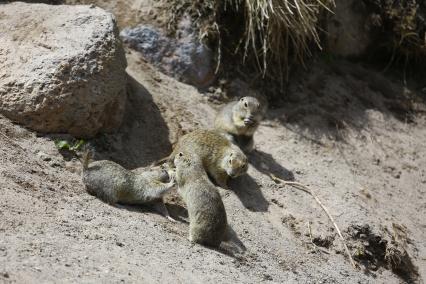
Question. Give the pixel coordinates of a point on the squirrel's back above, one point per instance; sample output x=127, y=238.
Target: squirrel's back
x=208, y=221
x=107, y=180
x=209, y=145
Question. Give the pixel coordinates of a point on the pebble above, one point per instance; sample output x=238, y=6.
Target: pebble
x=44, y=156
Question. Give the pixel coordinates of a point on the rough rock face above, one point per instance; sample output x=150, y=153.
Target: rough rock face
x=348, y=33
x=184, y=57
x=62, y=68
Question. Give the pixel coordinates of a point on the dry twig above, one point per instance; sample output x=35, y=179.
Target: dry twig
x=309, y=191
x=312, y=241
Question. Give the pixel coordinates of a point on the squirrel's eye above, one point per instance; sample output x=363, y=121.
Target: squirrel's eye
x=230, y=161
x=245, y=105
x=180, y=154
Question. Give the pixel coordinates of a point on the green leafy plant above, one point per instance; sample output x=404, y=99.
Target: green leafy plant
x=70, y=146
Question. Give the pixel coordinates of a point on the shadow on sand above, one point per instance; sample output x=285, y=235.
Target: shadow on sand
x=143, y=136
x=248, y=191
x=266, y=164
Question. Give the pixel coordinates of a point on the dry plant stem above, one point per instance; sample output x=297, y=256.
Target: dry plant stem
x=317, y=248
x=307, y=190
x=273, y=27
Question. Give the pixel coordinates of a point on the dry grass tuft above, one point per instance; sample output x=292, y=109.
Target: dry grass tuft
x=272, y=33
x=402, y=25
x=278, y=29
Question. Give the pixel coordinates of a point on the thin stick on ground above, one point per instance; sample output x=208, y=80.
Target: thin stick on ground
x=312, y=241
x=309, y=191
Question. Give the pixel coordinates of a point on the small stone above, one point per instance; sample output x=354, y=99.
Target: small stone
x=44, y=157
x=120, y=244
x=55, y=164
x=275, y=201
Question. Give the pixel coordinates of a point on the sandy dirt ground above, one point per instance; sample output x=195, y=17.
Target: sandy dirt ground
x=339, y=132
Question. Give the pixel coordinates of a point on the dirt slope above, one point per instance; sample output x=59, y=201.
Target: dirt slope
x=364, y=162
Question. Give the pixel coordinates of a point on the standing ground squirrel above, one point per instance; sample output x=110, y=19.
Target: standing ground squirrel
x=114, y=184
x=240, y=119
x=221, y=159
x=207, y=216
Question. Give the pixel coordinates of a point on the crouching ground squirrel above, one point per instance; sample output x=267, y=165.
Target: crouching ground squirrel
x=114, y=184
x=239, y=120
x=207, y=216
x=220, y=158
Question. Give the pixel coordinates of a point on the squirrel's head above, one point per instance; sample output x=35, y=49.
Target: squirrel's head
x=167, y=172
x=182, y=160
x=235, y=163
x=185, y=163
x=249, y=110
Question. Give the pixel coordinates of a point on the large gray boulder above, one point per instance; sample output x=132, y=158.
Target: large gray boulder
x=62, y=68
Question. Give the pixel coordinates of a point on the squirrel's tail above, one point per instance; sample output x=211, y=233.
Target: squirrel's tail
x=231, y=244
x=87, y=156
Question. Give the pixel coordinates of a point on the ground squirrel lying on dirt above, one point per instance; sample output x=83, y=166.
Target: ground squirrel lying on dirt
x=114, y=184
x=240, y=119
x=207, y=216
x=221, y=159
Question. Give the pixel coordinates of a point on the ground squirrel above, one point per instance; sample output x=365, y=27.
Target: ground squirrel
x=114, y=184
x=207, y=216
x=239, y=120
x=221, y=159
